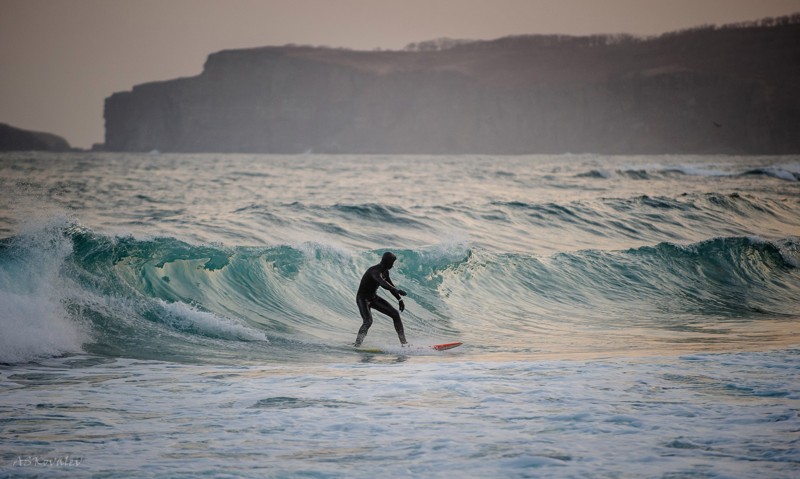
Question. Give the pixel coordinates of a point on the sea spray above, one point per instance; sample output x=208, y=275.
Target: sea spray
x=34, y=322
x=189, y=318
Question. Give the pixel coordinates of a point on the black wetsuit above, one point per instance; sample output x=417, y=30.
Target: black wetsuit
x=367, y=297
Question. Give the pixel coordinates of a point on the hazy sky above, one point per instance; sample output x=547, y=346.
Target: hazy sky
x=61, y=58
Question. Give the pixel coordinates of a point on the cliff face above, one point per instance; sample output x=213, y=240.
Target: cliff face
x=731, y=90
x=15, y=139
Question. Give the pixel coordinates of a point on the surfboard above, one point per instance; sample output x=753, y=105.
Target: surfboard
x=369, y=350
x=436, y=347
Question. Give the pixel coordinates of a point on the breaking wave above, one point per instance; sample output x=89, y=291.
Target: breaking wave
x=67, y=289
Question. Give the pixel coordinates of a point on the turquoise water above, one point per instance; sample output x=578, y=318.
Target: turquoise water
x=189, y=315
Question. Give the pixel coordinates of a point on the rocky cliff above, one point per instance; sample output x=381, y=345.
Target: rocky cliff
x=733, y=89
x=16, y=139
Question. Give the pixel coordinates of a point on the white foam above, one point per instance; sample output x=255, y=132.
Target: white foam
x=790, y=251
x=34, y=326
x=783, y=172
x=315, y=249
x=452, y=249
x=34, y=322
x=184, y=316
x=698, y=171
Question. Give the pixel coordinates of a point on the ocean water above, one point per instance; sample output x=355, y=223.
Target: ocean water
x=192, y=315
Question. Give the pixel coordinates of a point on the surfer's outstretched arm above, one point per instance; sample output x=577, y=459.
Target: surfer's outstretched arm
x=397, y=293
x=386, y=283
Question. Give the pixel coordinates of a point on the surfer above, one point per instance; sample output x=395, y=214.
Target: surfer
x=367, y=297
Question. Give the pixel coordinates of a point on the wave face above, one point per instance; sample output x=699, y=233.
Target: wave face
x=217, y=259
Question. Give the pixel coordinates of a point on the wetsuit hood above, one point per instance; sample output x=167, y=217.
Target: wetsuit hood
x=388, y=259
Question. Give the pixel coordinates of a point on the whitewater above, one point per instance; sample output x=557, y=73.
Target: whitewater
x=191, y=315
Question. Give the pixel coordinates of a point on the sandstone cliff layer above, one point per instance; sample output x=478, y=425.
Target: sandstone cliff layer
x=707, y=90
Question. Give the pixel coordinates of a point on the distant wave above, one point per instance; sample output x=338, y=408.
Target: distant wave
x=787, y=172
x=595, y=174
x=652, y=218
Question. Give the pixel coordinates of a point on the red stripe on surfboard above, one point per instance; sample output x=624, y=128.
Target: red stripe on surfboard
x=442, y=347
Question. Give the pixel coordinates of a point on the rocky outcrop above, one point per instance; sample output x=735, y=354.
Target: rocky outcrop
x=15, y=139
x=732, y=90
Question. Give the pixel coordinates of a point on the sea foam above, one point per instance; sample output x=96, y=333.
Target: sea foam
x=34, y=322
x=186, y=316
